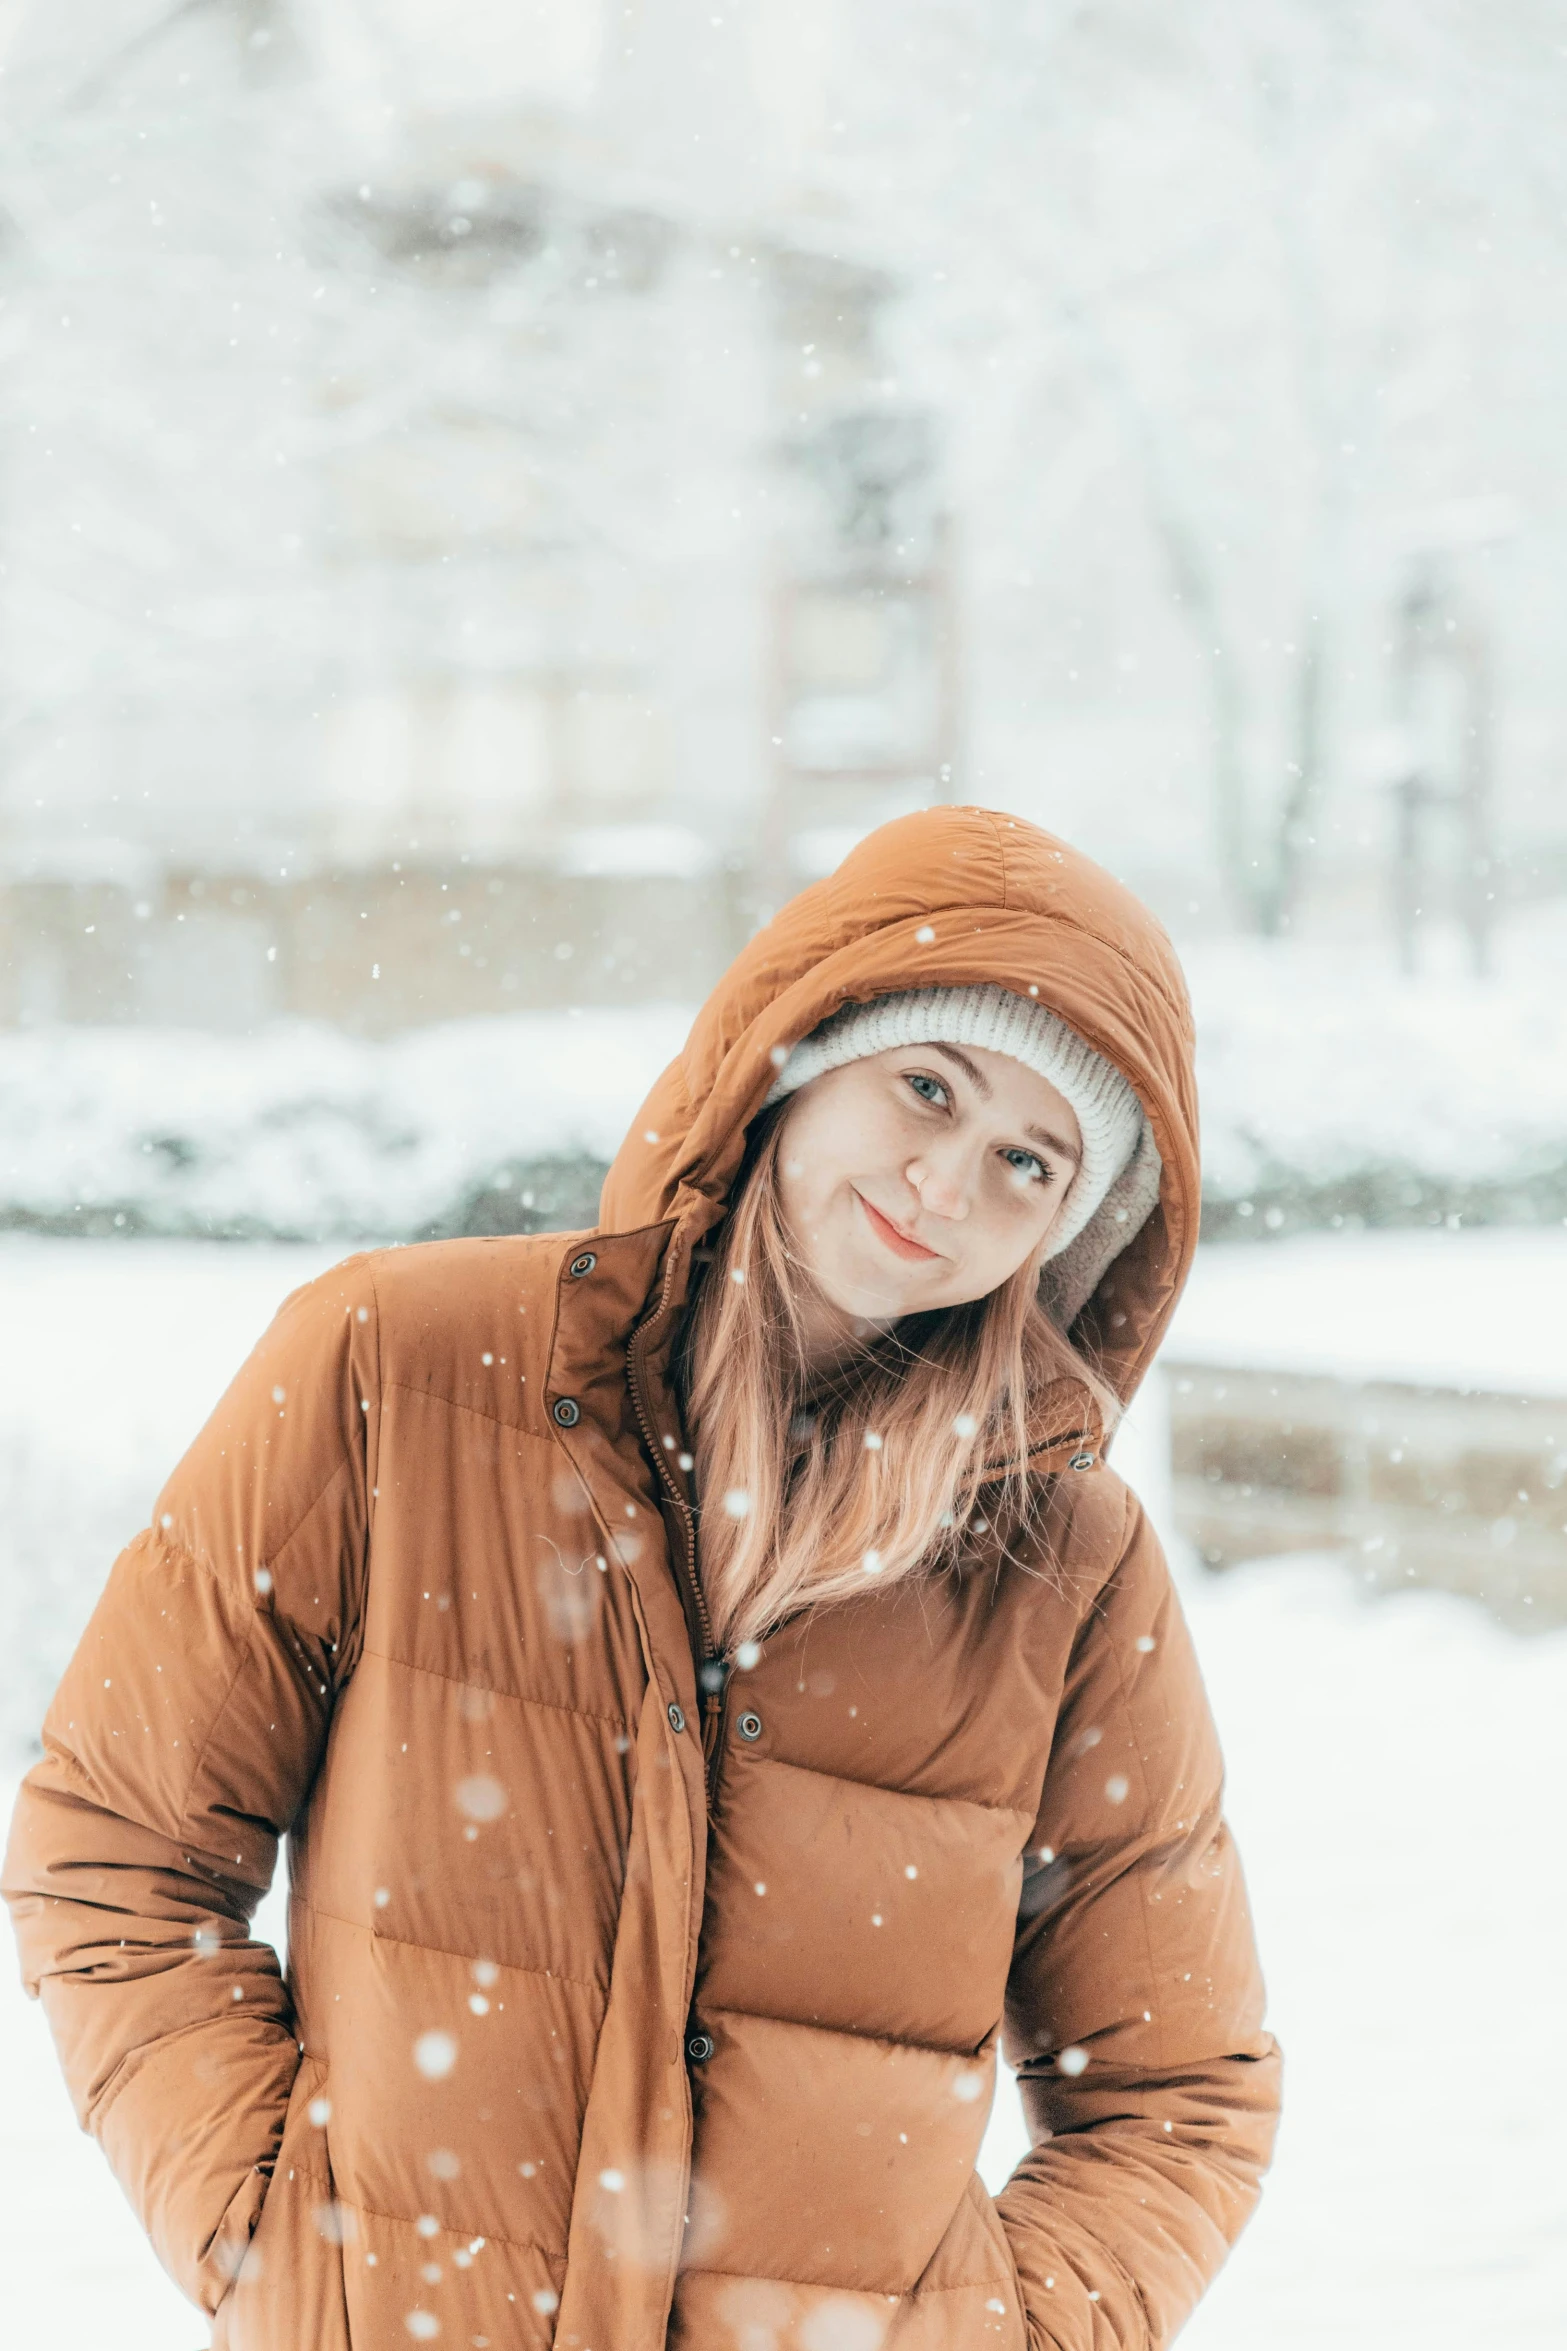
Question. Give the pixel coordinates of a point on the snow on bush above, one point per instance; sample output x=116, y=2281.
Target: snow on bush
x=302, y=1132
x=1332, y=1091
x=1335, y=1091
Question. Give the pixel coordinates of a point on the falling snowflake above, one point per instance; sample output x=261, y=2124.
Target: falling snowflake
x=435, y=2054
x=480, y=1797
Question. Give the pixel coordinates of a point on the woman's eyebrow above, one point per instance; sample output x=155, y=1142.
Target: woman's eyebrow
x=1055, y=1143
x=983, y=1088
x=971, y=1070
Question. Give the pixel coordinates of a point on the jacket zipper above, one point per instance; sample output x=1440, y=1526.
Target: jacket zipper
x=712, y=1667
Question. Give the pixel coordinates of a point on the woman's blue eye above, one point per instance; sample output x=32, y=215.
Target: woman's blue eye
x=1025, y=1159
x=928, y=1089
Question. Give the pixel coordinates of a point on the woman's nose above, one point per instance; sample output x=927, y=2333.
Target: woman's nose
x=940, y=1193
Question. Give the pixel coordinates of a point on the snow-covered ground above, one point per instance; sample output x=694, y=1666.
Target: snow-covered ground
x=1395, y=1772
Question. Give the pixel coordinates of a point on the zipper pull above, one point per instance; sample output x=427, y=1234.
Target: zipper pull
x=712, y=1677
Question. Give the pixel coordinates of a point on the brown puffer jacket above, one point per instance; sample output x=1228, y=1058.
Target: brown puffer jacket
x=581, y=2042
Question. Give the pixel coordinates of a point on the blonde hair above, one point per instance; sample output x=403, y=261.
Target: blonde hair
x=810, y=1494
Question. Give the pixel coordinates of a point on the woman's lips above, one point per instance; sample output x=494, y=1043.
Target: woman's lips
x=901, y=1244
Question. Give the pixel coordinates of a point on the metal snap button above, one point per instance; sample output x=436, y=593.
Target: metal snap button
x=749, y=1726
x=677, y=1720
x=567, y=1413
x=583, y=1264
x=700, y=2048
x=1082, y=1461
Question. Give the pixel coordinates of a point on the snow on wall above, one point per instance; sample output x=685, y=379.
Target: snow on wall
x=302, y=1132
x=1335, y=1090
x=1332, y=1091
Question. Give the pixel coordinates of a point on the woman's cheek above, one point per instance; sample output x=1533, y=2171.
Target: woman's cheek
x=1055, y=1201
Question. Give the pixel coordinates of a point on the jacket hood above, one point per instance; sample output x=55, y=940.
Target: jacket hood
x=949, y=897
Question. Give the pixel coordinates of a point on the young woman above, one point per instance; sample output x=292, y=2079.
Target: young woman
x=715, y=1691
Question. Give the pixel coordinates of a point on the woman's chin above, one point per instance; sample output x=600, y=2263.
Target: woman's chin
x=864, y=1293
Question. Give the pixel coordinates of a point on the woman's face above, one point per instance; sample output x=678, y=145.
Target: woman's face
x=923, y=1176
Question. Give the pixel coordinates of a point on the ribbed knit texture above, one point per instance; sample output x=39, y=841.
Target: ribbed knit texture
x=1117, y=1184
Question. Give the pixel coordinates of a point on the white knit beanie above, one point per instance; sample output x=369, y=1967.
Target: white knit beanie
x=1116, y=1184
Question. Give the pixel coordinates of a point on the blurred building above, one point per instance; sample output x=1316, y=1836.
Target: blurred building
x=478, y=572
x=491, y=499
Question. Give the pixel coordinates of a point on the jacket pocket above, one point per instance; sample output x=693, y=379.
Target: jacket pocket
x=289, y=2287
x=1009, y=2321
x=969, y=2298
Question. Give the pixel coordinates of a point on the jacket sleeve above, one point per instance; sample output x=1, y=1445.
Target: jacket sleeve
x=179, y=1747
x=1135, y=2004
